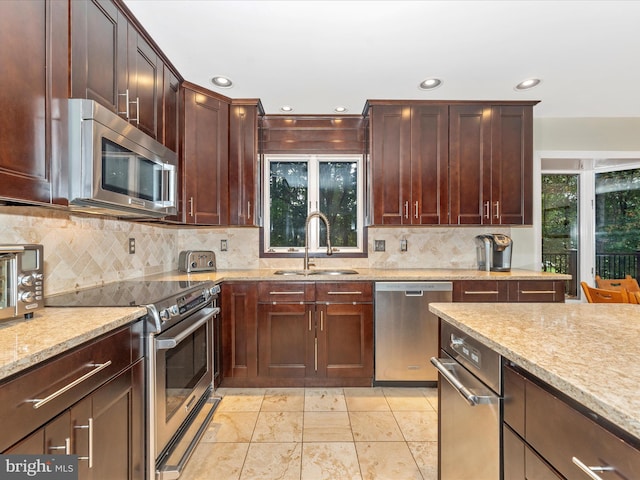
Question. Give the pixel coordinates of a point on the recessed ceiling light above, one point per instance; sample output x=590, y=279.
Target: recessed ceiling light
x=286, y=108
x=430, y=83
x=528, y=83
x=340, y=109
x=222, y=82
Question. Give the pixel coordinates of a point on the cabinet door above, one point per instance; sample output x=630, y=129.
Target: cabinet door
x=108, y=428
x=429, y=165
x=205, y=159
x=239, y=323
x=470, y=164
x=286, y=340
x=34, y=64
x=52, y=439
x=144, y=83
x=170, y=99
x=244, y=169
x=99, y=53
x=345, y=340
x=511, y=165
x=391, y=164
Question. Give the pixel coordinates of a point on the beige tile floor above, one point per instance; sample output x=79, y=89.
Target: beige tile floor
x=320, y=433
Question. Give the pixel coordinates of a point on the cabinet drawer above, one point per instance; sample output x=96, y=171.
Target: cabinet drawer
x=536, y=291
x=278, y=292
x=59, y=383
x=344, y=292
x=559, y=432
x=514, y=400
x=480, y=291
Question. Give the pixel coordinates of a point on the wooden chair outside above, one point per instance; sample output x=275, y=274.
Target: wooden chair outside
x=627, y=283
x=599, y=295
x=634, y=297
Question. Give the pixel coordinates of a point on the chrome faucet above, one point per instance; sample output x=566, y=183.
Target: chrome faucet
x=306, y=236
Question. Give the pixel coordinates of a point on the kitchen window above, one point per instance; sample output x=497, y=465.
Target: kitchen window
x=296, y=185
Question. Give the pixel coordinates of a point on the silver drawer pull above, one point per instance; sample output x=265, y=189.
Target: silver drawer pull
x=481, y=292
x=38, y=402
x=344, y=293
x=590, y=471
x=287, y=293
x=89, y=457
x=539, y=292
x=66, y=447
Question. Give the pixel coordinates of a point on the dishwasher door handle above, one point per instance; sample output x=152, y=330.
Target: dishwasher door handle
x=446, y=368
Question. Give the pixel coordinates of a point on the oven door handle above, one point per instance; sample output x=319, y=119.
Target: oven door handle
x=446, y=368
x=202, y=317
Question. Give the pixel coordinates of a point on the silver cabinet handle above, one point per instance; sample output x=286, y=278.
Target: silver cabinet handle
x=590, y=471
x=66, y=447
x=137, y=119
x=497, y=204
x=344, y=293
x=481, y=292
x=471, y=398
x=89, y=456
x=297, y=292
x=315, y=354
x=248, y=210
x=39, y=402
x=126, y=104
x=310, y=320
x=321, y=320
x=537, y=292
x=191, y=206
x=486, y=209
x=406, y=209
x=416, y=209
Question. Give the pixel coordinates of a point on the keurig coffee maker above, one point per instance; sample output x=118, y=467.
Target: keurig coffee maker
x=494, y=252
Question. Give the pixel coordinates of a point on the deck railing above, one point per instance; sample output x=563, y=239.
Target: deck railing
x=608, y=265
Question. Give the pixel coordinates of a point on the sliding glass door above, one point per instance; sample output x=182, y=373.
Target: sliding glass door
x=590, y=219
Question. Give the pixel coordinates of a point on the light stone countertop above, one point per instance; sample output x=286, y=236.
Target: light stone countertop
x=51, y=331
x=369, y=274
x=588, y=351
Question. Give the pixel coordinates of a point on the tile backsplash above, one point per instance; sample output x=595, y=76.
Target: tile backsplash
x=85, y=250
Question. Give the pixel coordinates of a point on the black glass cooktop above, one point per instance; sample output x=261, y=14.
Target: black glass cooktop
x=127, y=293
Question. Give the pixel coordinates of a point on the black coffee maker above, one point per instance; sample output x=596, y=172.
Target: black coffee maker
x=494, y=252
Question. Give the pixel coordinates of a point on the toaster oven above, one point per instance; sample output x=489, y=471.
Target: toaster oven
x=21, y=280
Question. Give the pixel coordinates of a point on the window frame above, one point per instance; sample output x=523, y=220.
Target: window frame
x=313, y=161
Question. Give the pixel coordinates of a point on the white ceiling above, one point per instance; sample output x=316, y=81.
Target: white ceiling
x=315, y=55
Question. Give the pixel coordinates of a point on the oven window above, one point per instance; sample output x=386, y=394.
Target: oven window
x=5, y=285
x=185, y=366
x=130, y=174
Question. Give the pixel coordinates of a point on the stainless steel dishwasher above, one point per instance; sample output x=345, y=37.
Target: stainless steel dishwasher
x=470, y=407
x=406, y=333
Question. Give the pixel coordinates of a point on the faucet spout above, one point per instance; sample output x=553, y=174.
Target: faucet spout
x=324, y=218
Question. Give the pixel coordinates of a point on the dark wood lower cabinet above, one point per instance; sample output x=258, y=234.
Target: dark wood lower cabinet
x=102, y=423
x=297, y=334
x=544, y=430
x=529, y=291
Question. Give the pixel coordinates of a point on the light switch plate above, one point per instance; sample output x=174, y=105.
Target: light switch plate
x=223, y=245
x=403, y=245
x=378, y=245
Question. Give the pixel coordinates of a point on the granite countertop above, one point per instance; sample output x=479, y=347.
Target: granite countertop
x=27, y=342
x=587, y=351
x=369, y=274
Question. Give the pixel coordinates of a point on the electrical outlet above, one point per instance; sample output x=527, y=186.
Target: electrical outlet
x=403, y=245
x=378, y=245
x=223, y=245
x=132, y=246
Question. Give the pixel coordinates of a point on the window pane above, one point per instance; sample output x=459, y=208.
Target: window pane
x=617, y=223
x=338, y=182
x=288, y=183
x=560, y=227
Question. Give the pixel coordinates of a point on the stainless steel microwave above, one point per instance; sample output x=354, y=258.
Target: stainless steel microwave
x=115, y=168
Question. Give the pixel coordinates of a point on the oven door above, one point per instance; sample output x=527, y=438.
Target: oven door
x=184, y=372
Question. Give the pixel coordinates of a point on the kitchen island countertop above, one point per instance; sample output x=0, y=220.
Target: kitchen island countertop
x=587, y=351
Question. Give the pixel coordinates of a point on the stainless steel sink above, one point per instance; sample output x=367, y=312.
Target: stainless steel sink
x=315, y=272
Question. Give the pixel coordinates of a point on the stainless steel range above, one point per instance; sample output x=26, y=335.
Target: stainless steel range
x=179, y=344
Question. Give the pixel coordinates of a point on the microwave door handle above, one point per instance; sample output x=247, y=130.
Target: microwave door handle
x=167, y=343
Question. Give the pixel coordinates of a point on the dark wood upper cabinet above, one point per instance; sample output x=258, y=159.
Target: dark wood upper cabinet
x=457, y=163
x=115, y=63
x=245, y=117
x=204, y=156
x=34, y=59
x=170, y=109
